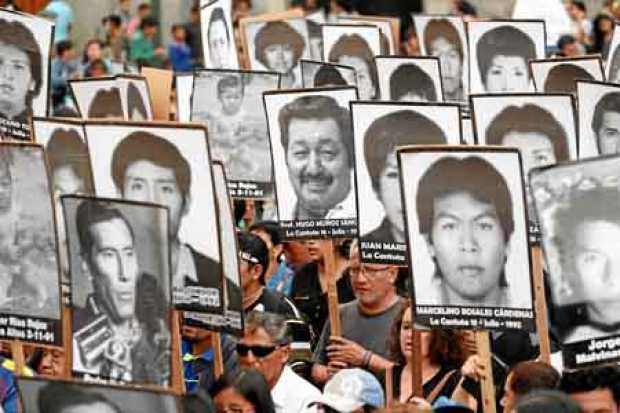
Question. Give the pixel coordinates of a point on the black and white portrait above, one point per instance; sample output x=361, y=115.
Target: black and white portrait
x=312, y=149
x=230, y=103
x=277, y=46
x=444, y=37
x=98, y=98
x=26, y=46
x=184, y=83
x=321, y=74
x=355, y=46
x=612, y=64
x=389, y=28
x=218, y=40
x=46, y=396
x=542, y=127
x=120, y=289
x=30, y=276
x=378, y=128
x=412, y=79
x=467, y=236
x=499, y=53
x=599, y=118
x=314, y=20
x=135, y=97
x=559, y=75
x=577, y=206
x=170, y=166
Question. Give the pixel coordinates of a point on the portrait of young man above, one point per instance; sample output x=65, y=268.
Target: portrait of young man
x=445, y=39
x=219, y=49
x=165, y=166
x=25, y=44
x=312, y=143
x=500, y=51
x=409, y=79
x=230, y=102
x=606, y=123
x=466, y=211
x=120, y=320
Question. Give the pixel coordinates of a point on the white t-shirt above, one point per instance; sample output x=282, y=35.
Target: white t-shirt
x=292, y=394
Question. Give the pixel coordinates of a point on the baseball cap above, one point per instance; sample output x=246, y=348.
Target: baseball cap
x=351, y=389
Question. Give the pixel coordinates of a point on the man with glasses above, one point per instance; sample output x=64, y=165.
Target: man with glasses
x=365, y=322
x=265, y=346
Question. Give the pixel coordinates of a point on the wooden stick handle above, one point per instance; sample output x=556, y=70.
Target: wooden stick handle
x=176, y=372
x=332, y=290
x=218, y=357
x=541, y=305
x=17, y=354
x=417, y=388
x=487, y=387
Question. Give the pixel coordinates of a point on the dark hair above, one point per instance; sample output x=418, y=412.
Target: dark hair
x=328, y=76
x=526, y=119
x=115, y=19
x=141, y=145
x=317, y=107
x=473, y=175
x=615, y=65
x=610, y=102
x=87, y=45
x=144, y=6
x=92, y=212
x=565, y=40
x=106, y=103
x=66, y=148
x=251, y=384
x=445, y=348
x=532, y=375
x=437, y=28
x=230, y=81
x=505, y=41
x=88, y=72
x=579, y=4
x=62, y=46
x=562, y=78
x=410, y=78
x=135, y=102
x=218, y=14
x=271, y=228
x=147, y=22
x=277, y=32
x=598, y=36
x=403, y=127
x=16, y=34
x=547, y=401
x=355, y=45
x=253, y=245
x=56, y=397
x=598, y=378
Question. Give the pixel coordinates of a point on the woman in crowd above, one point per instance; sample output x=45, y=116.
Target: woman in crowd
x=246, y=392
x=602, y=32
x=93, y=55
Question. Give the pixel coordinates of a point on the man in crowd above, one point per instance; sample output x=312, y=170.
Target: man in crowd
x=316, y=136
x=126, y=314
x=265, y=346
x=64, y=67
x=354, y=391
x=596, y=390
x=525, y=377
x=606, y=124
x=143, y=49
x=373, y=310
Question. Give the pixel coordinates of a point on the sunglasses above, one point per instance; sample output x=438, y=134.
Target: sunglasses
x=258, y=351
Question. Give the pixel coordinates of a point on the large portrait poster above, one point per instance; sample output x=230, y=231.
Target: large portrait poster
x=135, y=97
x=312, y=149
x=97, y=98
x=378, y=129
x=389, y=27
x=30, y=296
x=120, y=289
x=24, y=84
x=321, y=74
x=499, y=51
x=170, y=165
x=599, y=118
x=444, y=37
x=542, y=127
x=467, y=237
x=413, y=79
x=560, y=75
x=229, y=102
x=218, y=37
x=577, y=206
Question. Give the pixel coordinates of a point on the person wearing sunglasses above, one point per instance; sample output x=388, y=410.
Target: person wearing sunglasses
x=265, y=346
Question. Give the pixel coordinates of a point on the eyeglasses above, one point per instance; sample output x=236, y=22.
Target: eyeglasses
x=369, y=272
x=258, y=351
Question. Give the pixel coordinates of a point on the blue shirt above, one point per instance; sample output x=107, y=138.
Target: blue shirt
x=8, y=389
x=193, y=365
x=282, y=280
x=180, y=57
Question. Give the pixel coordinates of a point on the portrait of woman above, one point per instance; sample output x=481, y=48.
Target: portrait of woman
x=353, y=50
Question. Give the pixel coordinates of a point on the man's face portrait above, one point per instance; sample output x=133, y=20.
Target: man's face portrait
x=67, y=181
x=280, y=57
x=318, y=163
x=231, y=99
x=608, y=135
x=389, y=192
x=365, y=85
x=451, y=64
x=507, y=74
x=113, y=266
x=536, y=148
x=148, y=182
x=218, y=44
x=15, y=79
x=468, y=245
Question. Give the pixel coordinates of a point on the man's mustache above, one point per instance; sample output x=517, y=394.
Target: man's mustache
x=306, y=178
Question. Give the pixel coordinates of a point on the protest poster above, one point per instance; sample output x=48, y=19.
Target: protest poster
x=559, y=75
x=576, y=204
x=378, y=129
x=218, y=37
x=499, y=51
x=320, y=74
x=466, y=221
x=388, y=26
x=599, y=118
x=413, y=79
x=229, y=103
x=312, y=153
x=97, y=98
x=120, y=289
x=135, y=97
x=168, y=164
